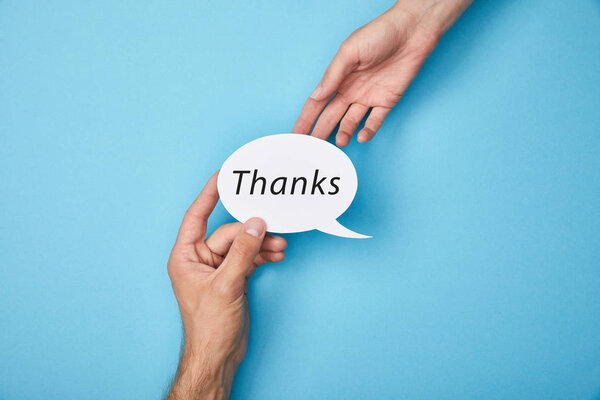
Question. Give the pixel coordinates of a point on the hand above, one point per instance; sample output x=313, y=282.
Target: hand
x=209, y=278
x=373, y=68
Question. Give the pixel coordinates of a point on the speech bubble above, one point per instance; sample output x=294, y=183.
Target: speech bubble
x=294, y=182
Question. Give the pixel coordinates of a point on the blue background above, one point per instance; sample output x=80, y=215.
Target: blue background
x=482, y=191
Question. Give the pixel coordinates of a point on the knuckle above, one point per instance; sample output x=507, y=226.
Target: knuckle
x=329, y=119
x=369, y=132
x=346, y=52
x=374, y=124
x=345, y=48
x=391, y=99
x=191, y=213
x=344, y=132
x=350, y=120
x=231, y=228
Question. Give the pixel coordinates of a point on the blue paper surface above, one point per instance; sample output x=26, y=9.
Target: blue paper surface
x=482, y=192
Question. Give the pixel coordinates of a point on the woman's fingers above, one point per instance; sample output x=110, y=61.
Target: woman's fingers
x=311, y=110
x=349, y=123
x=350, y=118
x=330, y=117
x=344, y=62
x=373, y=123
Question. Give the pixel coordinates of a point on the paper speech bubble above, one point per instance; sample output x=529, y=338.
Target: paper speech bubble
x=295, y=183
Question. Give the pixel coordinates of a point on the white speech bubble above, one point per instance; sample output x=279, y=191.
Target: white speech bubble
x=294, y=182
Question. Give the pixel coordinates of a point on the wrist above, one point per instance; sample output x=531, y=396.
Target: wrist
x=434, y=16
x=199, y=377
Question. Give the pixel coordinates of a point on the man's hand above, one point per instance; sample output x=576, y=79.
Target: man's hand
x=373, y=68
x=209, y=280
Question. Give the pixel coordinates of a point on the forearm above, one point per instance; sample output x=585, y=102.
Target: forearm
x=199, y=379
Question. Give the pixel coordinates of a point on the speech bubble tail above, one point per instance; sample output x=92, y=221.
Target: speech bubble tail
x=337, y=229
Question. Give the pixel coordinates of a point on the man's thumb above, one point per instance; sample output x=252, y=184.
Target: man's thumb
x=243, y=251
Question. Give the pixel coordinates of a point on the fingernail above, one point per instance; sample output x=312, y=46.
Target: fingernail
x=317, y=92
x=255, y=227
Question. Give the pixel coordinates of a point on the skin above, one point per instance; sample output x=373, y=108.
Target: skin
x=371, y=71
x=373, y=68
x=209, y=277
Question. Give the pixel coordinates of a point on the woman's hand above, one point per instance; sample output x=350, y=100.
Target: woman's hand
x=373, y=68
x=209, y=280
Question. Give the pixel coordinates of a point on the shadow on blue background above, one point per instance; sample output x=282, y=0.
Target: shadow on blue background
x=481, y=191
